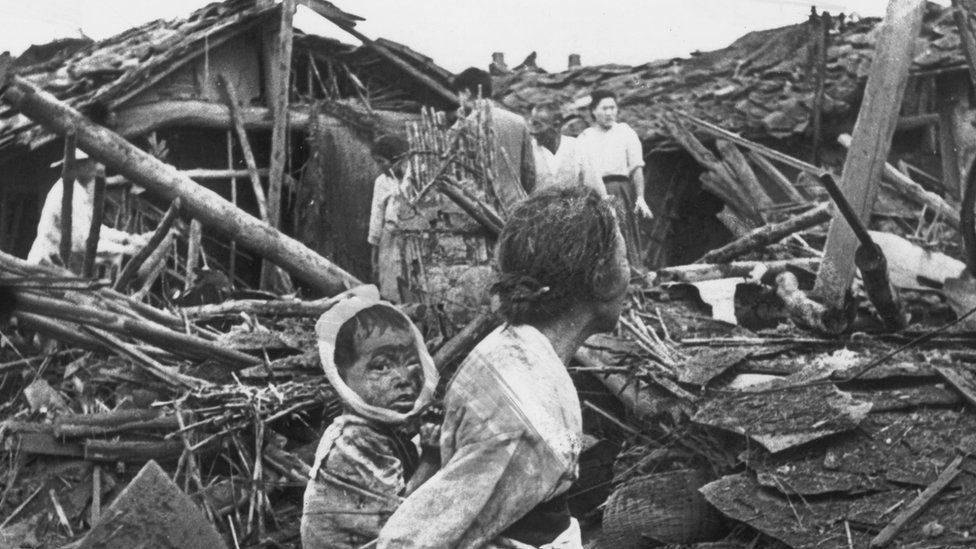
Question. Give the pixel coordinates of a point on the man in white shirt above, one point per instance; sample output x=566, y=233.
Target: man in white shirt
x=112, y=243
x=558, y=158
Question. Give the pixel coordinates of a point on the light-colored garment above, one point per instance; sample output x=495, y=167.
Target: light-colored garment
x=112, y=242
x=510, y=440
x=514, y=162
x=356, y=484
x=384, y=206
x=383, y=216
x=569, y=166
x=616, y=151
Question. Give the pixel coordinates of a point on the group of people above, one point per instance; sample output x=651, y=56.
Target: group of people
x=495, y=470
x=530, y=155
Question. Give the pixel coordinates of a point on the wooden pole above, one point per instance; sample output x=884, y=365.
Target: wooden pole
x=740, y=169
x=94, y=232
x=201, y=203
x=784, y=184
x=132, y=267
x=232, y=262
x=768, y=234
x=823, y=35
x=252, y=167
x=872, y=135
x=67, y=197
x=280, y=85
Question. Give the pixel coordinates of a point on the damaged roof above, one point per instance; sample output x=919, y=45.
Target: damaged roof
x=110, y=72
x=761, y=86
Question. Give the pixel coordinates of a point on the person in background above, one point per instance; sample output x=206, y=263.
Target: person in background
x=112, y=243
x=390, y=154
x=514, y=162
x=511, y=435
x=616, y=151
x=377, y=362
x=558, y=158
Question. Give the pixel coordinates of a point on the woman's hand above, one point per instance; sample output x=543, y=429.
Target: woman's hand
x=641, y=208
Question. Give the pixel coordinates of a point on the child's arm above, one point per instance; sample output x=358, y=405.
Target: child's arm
x=430, y=456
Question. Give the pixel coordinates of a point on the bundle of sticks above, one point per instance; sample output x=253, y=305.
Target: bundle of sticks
x=442, y=152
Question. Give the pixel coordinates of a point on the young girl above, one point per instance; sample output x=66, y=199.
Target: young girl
x=377, y=362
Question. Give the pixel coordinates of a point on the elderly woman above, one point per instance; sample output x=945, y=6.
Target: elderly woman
x=616, y=151
x=510, y=440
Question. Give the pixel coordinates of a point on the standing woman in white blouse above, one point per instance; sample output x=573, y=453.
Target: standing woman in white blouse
x=615, y=150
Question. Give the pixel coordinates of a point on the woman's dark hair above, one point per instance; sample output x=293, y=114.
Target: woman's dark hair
x=600, y=95
x=472, y=79
x=391, y=147
x=361, y=326
x=554, y=252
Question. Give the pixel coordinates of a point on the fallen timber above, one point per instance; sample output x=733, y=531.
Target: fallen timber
x=203, y=204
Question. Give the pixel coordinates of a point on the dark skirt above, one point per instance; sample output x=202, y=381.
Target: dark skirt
x=622, y=189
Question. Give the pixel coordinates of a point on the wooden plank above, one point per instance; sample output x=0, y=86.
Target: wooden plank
x=872, y=135
x=141, y=167
x=961, y=379
x=915, y=508
x=280, y=87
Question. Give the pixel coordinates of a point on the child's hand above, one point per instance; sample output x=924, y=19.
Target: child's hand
x=430, y=435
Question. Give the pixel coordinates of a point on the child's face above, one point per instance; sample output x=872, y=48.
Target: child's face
x=387, y=372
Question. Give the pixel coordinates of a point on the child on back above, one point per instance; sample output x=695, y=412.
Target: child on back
x=378, y=364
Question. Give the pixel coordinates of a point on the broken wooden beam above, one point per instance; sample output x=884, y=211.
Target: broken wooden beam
x=777, y=177
x=264, y=307
x=454, y=350
x=739, y=167
x=141, y=119
x=888, y=533
x=697, y=272
x=481, y=212
x=165, y=224
x=768, y=234
x=201, y=203
x=327, y=10
x=873, y=131
x=245, y=143
x=904, y=186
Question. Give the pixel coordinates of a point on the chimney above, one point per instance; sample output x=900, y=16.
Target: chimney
x=498, y=66
x=574, y=61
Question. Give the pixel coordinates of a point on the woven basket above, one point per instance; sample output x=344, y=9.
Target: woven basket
x=662, y=508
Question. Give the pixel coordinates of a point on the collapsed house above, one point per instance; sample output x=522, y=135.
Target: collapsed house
x=164, y=87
